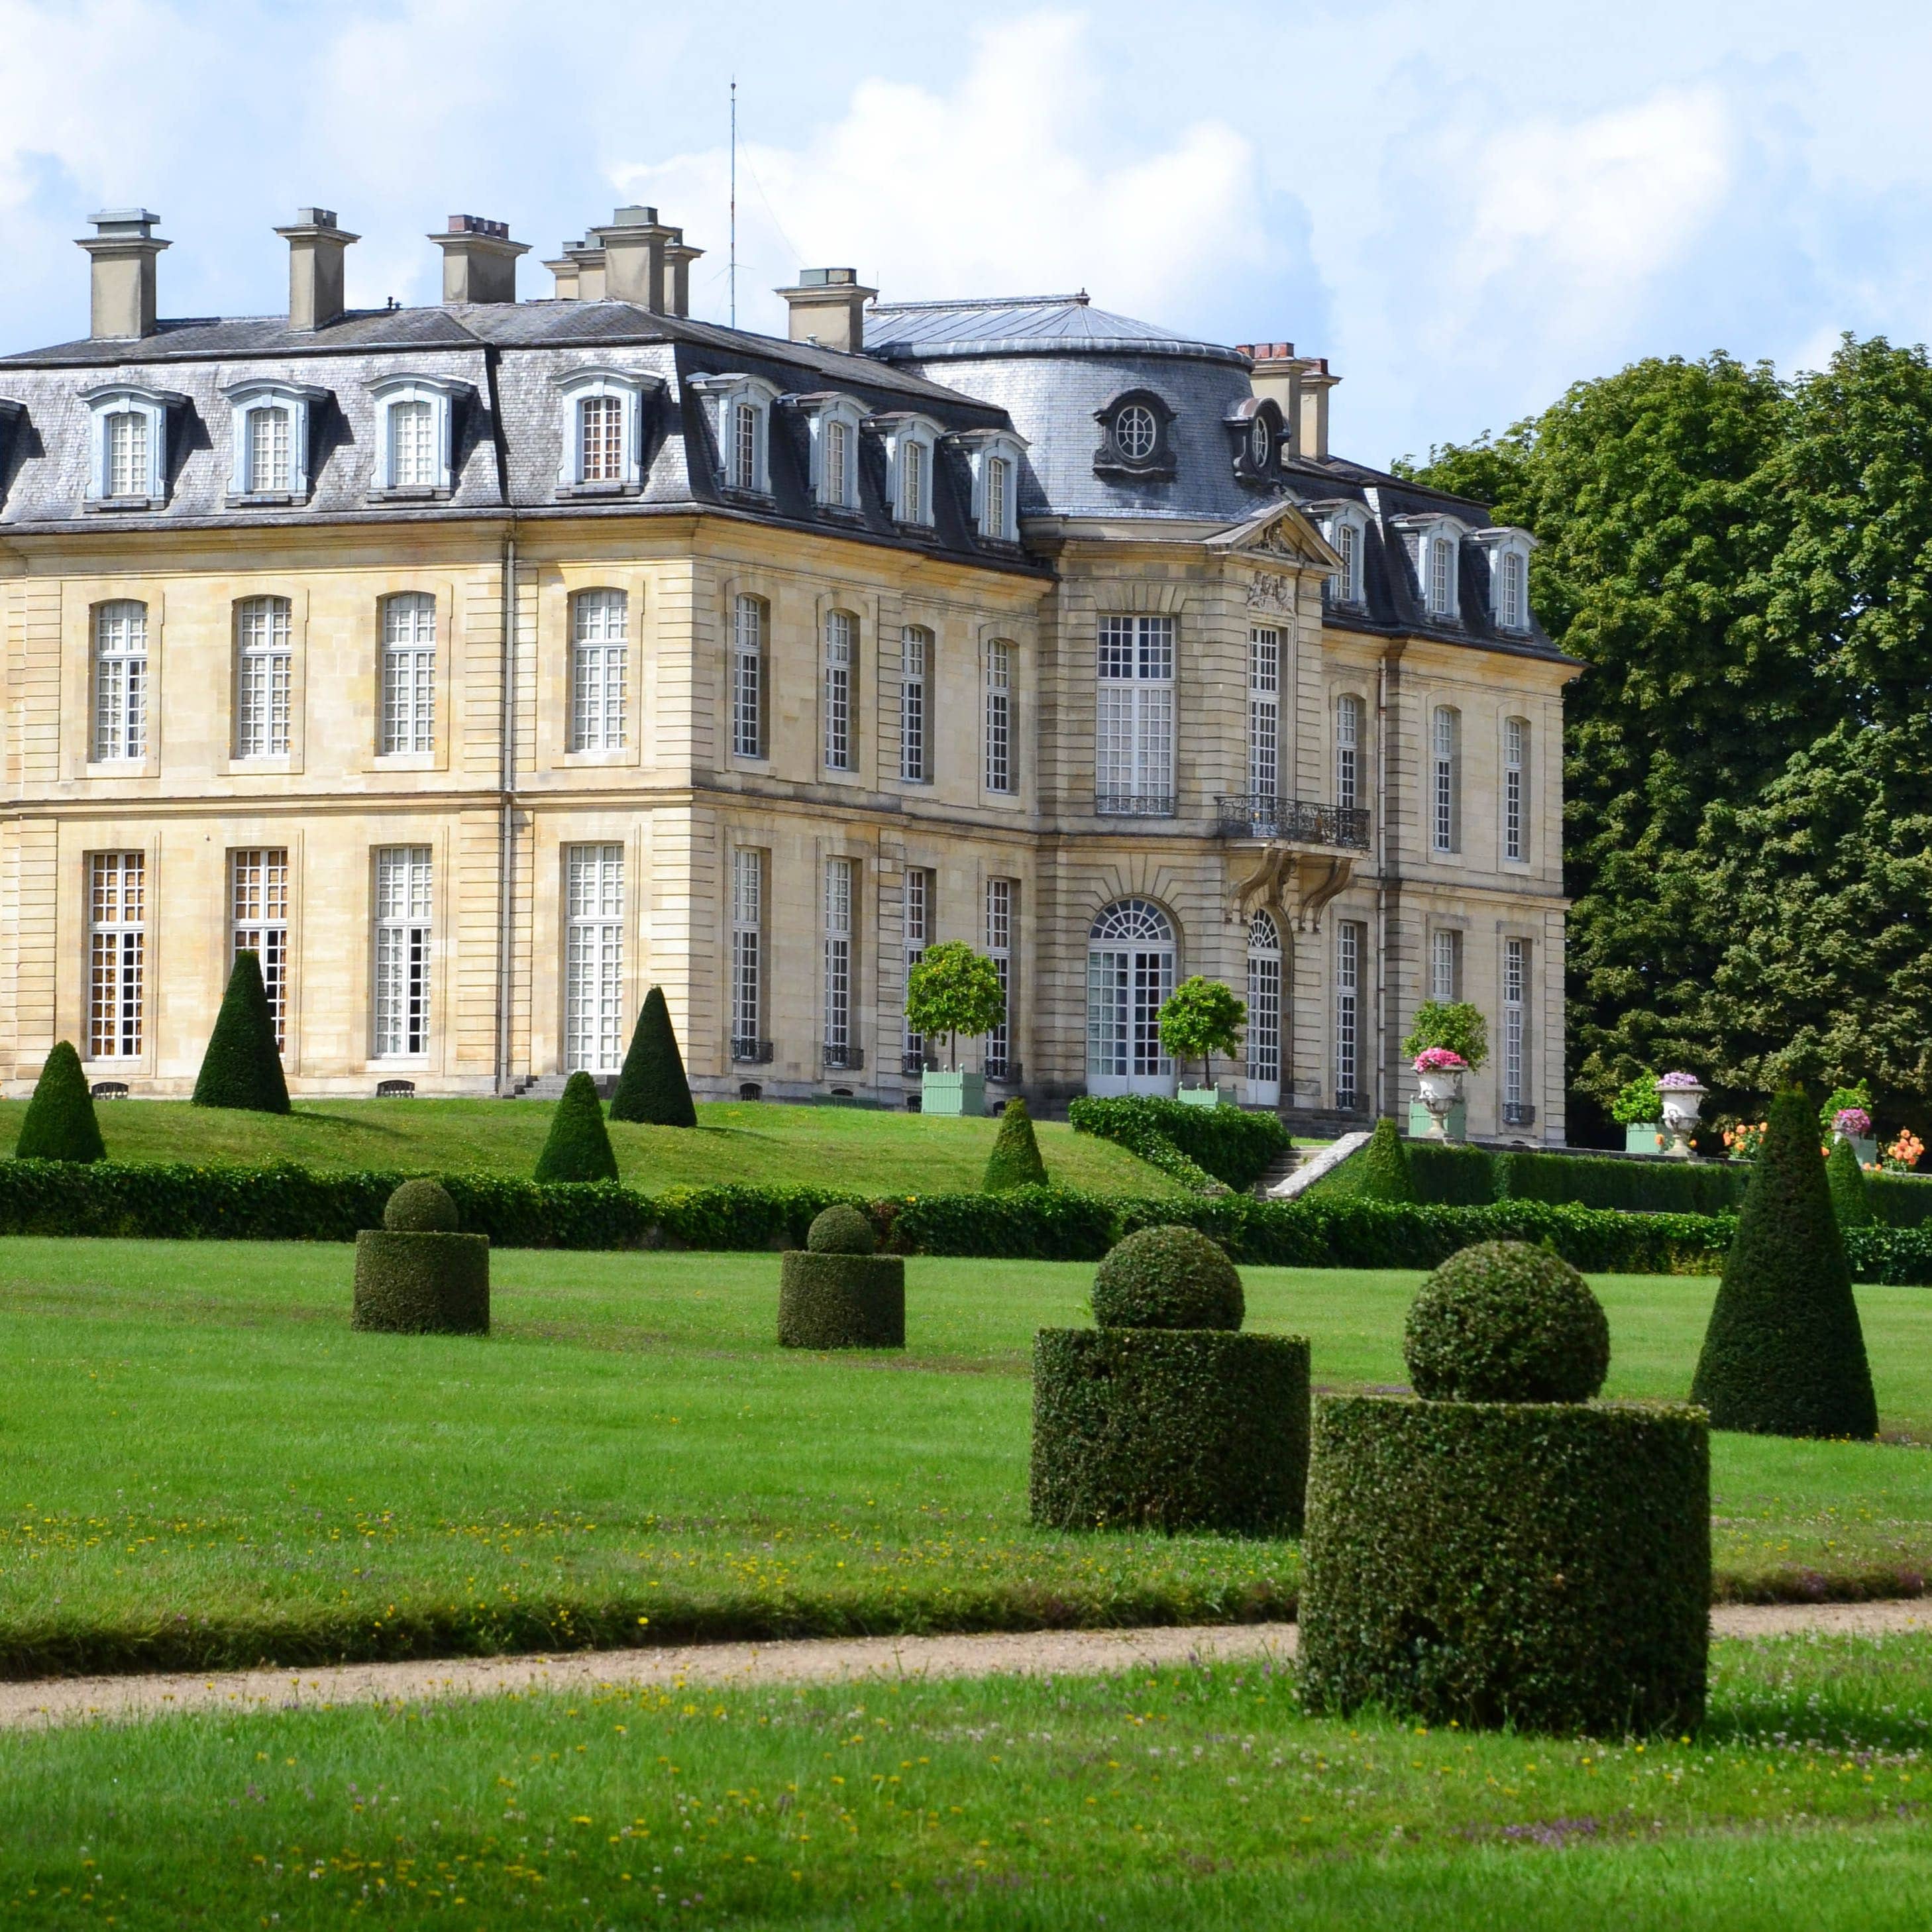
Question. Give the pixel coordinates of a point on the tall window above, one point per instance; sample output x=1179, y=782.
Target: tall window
x=1512, y=603
x=1515, y=982
x=258, y=899
x=263, y=670
x=1001, y=895
x=915, y=703
x=1516, y=770
x=600, y=431
x=268, y=449
x=593, y=997
x=842, y=890
x=1262, y=1039
x=1445, y=813
x=600, y=656
x=1263, y=710
x=413, y=464
x=913, y=494
x=1134, y=754
x=1445, y=964
x=835, y=483
x=402, y=951
x=999, y=716
x=742, y=457
x=1348, y=950
x=128, y=474
x=998, y=504
x=840, y=649
x=1346, y=586
x=747, y=954
x=1348, y=751
x=121, y=680
x=919, y=883
x=747, y=677
x=1130, y=955
x=409, y=673
x=117, y=949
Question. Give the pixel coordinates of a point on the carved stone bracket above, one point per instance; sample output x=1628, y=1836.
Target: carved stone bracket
x=1281, y=876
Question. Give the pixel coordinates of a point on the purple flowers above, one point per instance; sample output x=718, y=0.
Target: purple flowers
x=1667, y=1082
x=1854, y=1123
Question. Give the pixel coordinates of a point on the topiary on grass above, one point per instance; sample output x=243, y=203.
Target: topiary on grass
x=578, y=1148
x=242, y=1067
x=841, y=1229
x=1168, y=1278
x=1385, y=1174
x=1846, y=1180
x=1015, y=1161
x=60, y=1122
x=416, y=1274
x=1504, y=1322
x=1784, y=1354
x=422, y=1207
x=652, y=1088
x=836, y=1293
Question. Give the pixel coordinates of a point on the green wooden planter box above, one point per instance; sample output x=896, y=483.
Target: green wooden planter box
x=1422, y=1126
x=1646, y=1137
x=1201, y=1096
x=958, y=1093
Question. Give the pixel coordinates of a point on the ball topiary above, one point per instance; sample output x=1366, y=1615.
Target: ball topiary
x=1503, y=1321
x=841, y=1229
x=1168, y=1278
x=422, y=1207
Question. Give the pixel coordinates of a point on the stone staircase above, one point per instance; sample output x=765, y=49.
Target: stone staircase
x=550, y=1086
x=1296, y=1169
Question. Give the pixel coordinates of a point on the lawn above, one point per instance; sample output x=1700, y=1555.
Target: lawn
x=200, y=1464
x=1141, y=1802
x=864, y=1148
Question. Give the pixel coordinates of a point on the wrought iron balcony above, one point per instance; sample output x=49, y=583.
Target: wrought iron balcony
x=1134, y=804
x=910, y=1063
x=843, y=1059
x=1349, y=1101
x=1254, y=815
x=998, y=1067
x=1519, y=1113
x=751, y=1052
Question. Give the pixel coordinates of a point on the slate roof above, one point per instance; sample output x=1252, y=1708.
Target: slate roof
x=1022, y=325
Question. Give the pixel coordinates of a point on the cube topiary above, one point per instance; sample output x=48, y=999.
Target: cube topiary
x=835, y=1292
x=1784, y=1354
x=578, y=1145
x=60, y=1122
x=1385, y=1173
x=652, y=1089
x=1165, y=1416
x=1851, y=1204
x=1015, y=1161
x=417, y=1275
x=242, y=1067
x=1509, y=1559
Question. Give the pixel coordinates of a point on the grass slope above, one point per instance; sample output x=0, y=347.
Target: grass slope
x=1195, y=1798
x=861, y=1147
x=202, y=1465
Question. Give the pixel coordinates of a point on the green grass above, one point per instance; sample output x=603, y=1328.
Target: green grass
x=201, y=1464
x=863, y=1148
x=1193, y=1797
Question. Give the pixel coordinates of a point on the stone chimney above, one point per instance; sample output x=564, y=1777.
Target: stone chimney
x=678, y=258
x=1311, y=429
x=579, y=270
x=1276, y=375
x=634, y=257
x=123, y=247
x=316, y=247
x=479, y=260
x=828, y=307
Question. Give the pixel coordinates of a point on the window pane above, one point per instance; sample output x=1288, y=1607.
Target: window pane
x=409, y=673
x=258, y=910
x=747, y=900
x=999, y=717
x=412, y=453
x=267, y=461
x=599, y=666
x=117, y=943
x=916, y=644
x=402, y=950
x=748, y=678
x=263, y=676
x=128, y=469
x=121, y=681
x=593, y=1022
x=839, y=639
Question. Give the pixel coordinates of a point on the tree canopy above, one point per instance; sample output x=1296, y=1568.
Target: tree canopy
x=954, y=990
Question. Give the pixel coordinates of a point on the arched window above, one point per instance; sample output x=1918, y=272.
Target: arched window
x=1263, y=1037
x=600, y=650
x=121, y=680
x=1130, y=971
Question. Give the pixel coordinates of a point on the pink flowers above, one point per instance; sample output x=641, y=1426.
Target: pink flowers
x=1670, y=1082
x=1440, y=1060
x=1854, y=1123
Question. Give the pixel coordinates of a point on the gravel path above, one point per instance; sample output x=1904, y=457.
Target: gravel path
x=50, y=1701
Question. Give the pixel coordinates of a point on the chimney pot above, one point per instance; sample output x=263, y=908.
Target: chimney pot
x=678, y=258
x=123, y=250
x=828, y=307
x=479, y=259
x=316, y=247
x=634, y=249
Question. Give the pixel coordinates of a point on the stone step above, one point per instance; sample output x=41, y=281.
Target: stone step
x=1318, y=1161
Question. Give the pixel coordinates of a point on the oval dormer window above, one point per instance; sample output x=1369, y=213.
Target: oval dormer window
x=1136, y=432
x=1260, y=443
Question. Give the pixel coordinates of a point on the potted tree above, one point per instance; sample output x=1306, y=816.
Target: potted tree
x=1639, y=1110
x=953, y=990
x=1450, y=1036
x=1198, y=1019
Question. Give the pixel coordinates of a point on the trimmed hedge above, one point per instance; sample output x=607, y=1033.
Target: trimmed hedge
x=1195, y=1145
x=841, y=1300
x=1846, y=1180
x=1168, y=1277
x=577, y=1147
x=422, y=1207
x=1384, y=1174
x=243, y=1065
x=421, y=1283
x=1546, y=1565
x=1503, y=1321
x=1015, y=1161
x=1172, y=1429
x=61, y=1124
x=651, y=1087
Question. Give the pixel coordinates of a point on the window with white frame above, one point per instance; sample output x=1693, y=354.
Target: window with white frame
x=1512, y=591
x=910, y=442
x=266, y=444
x=268, y=437
x=994, y=457
x=1516, y=1029
x=747, y=954
x=833, y=424
x=1263, y=710
x=128, y=438
x=916, y=669
x=1130, y=973
x=1445, y=759
x=1134, y=748
x=842, y=647
x=127, y=454
x=1350, y=945
x=918, y=923
x=1441, y=580
x=408, y=705
x=1002, y=910
x=1445, y=964
x=1347, y=538
x=749, y=619
x=117, y=954
x=264, y=673
x=742, y=466
x=599, y=669
x=1348, y=711
x=120, y=680
x=1515, y=781
x=411, y=446
x=415, y=417
x=841, y=892
x=403, y=940
x=258, y=900
x=999, y=716
x=1262, y=1040
x=593, y=985
x=600, y=439
x=740, y=412
x=603, y=428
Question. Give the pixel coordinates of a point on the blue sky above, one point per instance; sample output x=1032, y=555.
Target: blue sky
x=1465, y=207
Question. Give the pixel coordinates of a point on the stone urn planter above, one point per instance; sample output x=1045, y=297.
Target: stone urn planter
x=953, y=1091
x=1682, y=1095
x=1439, y=1074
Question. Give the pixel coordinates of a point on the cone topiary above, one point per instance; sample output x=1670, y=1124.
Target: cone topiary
x=578, y=1148
x=1503, y=1321
x=417, y=1274
x=1784, y=1354
x=652, y=1088
x=1846, y=1179
x=243, y=1065
x=60, y=1123
x=1385, y=1170
x=1015, y=1161
x=836, y=1293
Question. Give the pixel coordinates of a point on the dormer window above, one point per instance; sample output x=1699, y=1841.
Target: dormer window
x=1434, y=545
x=1255, y=431
x=268, y=439
x=414, y=440
x=740, y=407
x=1345, y=527
x=1507, y=551
x=1136, y=437
x=128, y=429
x=910, y=442
x=832, y=421
x=603, y=430
x=994, y=457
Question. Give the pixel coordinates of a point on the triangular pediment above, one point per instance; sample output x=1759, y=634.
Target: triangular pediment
x=1282, y=531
